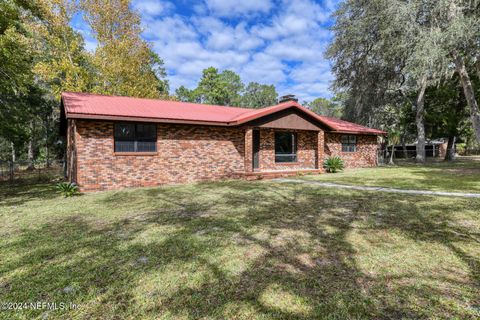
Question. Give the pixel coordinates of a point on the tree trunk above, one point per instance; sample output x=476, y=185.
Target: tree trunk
x=47, y=153
x=30, y=150
x=12, y=146
x=391, y=155
x=450, y=154
x=404, y=147
x=469, y=95
x=477, y=66
x=30, y=155
x=419, y=120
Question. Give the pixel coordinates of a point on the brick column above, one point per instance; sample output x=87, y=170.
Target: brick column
x=320, y=149
x=248, y=150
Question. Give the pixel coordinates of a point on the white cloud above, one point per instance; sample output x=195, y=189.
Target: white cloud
x=222, y=36
x=296, y=17
x=311, y=80
x=311, y=72
x=150, y=8
x=285, y=47
x=170, y=29
x=288, y=51
x=228, y=8
x=264, y=68
x=309, y=91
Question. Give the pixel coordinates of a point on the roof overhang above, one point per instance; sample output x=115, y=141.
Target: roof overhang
x=380, y=133
x=142, y=119
x=245, y=117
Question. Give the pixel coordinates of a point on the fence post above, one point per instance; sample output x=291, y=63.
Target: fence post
x=11, y=169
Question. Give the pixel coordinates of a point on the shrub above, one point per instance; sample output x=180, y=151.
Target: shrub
x=68, y=189
x=333, y=164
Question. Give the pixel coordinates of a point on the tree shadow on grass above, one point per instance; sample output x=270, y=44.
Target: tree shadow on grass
x=227, y=250
x=18, y=194
x=450, y=179
x=438, y=225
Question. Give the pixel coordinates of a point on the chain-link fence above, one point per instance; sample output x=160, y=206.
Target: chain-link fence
x=408, y=153
x=24, y=170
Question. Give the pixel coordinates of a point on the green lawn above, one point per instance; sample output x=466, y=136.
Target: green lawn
x=460, y=176
x=239, y=250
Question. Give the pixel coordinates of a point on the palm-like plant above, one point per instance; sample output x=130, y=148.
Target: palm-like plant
x=68, y=189
x=333, y=164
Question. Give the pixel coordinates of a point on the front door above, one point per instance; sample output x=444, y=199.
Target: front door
x=256, y=149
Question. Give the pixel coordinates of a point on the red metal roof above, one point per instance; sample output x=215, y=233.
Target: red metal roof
x=95, y=106
x=349, y=127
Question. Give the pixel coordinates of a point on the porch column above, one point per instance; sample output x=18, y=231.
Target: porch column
x=320, y=149
x=248, y=150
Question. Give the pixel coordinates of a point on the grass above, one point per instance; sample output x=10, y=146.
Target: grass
x=460, y=176
x=239, y=250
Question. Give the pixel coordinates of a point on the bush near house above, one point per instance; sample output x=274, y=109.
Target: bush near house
x=67, y=189
x=334, y=164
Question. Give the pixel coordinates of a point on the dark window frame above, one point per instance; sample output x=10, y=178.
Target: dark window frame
x=349, y=143
x=286, y=157
x=140, y=141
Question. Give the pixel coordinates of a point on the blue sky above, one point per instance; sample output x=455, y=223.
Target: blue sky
x=266, y=41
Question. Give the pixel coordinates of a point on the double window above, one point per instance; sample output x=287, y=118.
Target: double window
x=349, y=143
x=285, y=147
x=135, y=137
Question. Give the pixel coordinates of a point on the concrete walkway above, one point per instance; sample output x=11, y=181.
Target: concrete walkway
x=380, y=189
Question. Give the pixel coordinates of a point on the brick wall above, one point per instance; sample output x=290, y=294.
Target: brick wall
x=365, y=156
x=186, y=153
x=306, y=150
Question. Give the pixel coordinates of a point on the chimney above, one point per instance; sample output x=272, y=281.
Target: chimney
x=288, y=97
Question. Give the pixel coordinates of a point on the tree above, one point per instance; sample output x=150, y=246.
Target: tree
x=211, y=89
x=326, y=107
x=233, y=86
x=447, y=114
x=42, y=56
x=366, y=73
x=393, y=139
x=125, y=63
x=460, y=17
x=469, y=94
x=259, y=95
x=64, y=64
x=215, y=88
x=186, y=95
x=227, y=89
x=17, y=81
x=393, y=51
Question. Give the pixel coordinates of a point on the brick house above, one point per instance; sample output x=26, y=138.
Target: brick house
x=115, y=142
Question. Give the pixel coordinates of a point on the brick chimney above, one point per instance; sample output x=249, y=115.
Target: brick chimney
x=288, y=97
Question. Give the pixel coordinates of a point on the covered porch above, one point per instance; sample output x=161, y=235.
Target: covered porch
x=288, y=144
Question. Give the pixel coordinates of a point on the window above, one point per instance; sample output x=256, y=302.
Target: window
x=349, y=143
x=135, y=137
x=285, y=147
